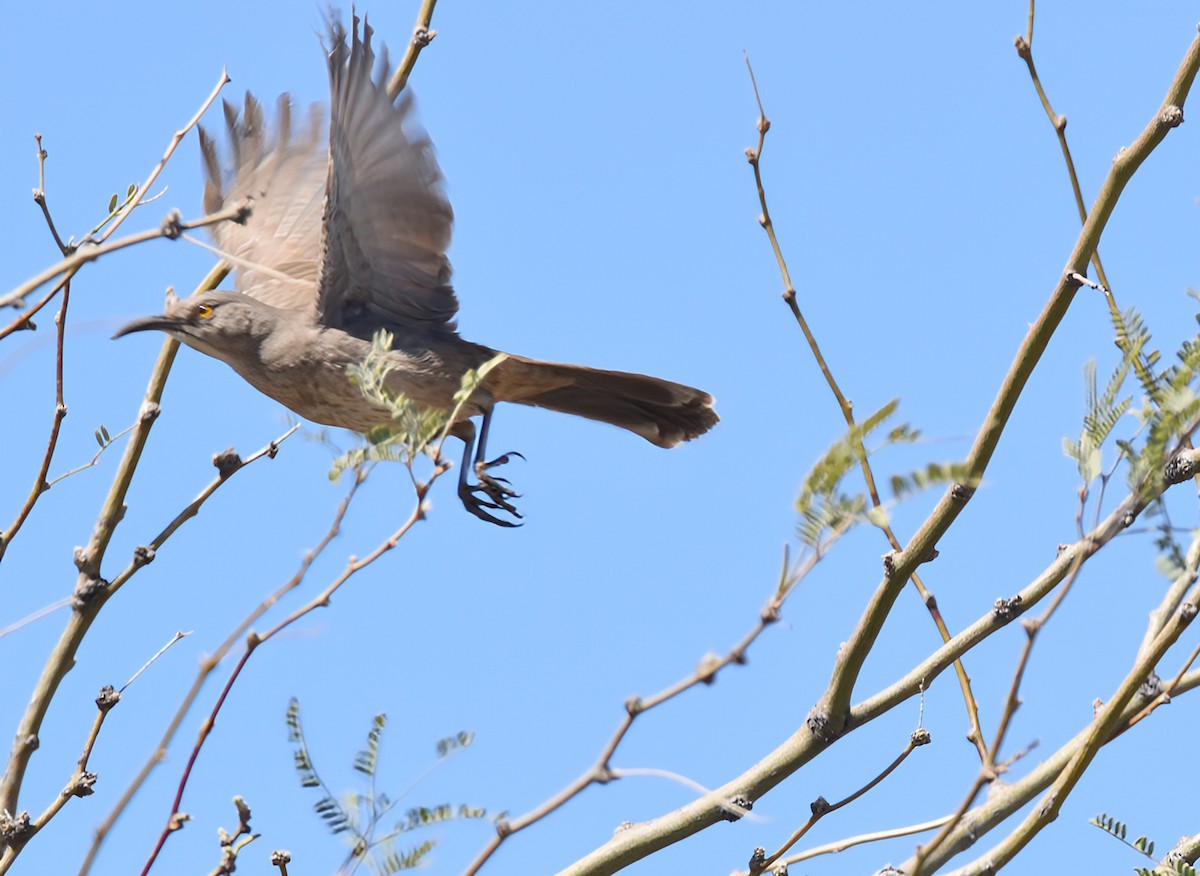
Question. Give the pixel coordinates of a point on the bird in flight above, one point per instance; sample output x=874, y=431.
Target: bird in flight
x=347, y=236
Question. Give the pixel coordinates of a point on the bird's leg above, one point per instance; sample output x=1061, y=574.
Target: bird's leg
x=497, y=490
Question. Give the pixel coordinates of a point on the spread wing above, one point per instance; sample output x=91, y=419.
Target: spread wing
x=387, y=219
x=276, y=252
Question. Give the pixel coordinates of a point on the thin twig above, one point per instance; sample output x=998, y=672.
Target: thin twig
x=1024, y=47
x=163, y=650
x=112, y=439
x=40, y=484
x=88, y=560
x=13, y=298
x=1109, y=721
x=602, y=772
x=176, y=139
x=171, y=228
x=921, y=547
x=207, y=667
x=754, y=156
x=254, y=640
x=821, y=808
x=39, y=194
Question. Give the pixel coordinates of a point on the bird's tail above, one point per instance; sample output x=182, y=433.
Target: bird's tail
x=662, y=412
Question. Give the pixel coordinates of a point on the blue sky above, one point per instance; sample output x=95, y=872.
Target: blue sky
x=606, y=215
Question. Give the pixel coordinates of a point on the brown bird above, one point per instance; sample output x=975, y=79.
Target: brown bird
x=348, y=236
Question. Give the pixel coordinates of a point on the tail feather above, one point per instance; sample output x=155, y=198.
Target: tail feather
x=661, y=411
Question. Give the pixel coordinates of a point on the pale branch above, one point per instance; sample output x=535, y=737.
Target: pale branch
x=602, y=772
x=421, y=37
x=1024, y=47
x=992, y=766
x=13, y=298
x=109, y=442
x=88, y=560
x=254, y=640
x=79, y=785
x=923, y=544
x=857, y=840
x=176, y=139
x=1124, y=709
x=170, y=229
x=206, y=669
x=754, y=156
x=642, y=840
x=1124, y=704
x=760, y=861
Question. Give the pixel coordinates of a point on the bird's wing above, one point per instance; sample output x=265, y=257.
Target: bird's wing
x=387, y=217
x=276, y=252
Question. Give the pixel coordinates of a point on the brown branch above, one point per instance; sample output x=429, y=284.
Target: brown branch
x=754, y=156
x=89, y=584
x=207, y=667
x=254, y=640
x=39, y=195
x=1024, y=47
x=40, y=484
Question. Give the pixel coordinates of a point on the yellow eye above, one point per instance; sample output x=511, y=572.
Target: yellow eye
x=205, y=311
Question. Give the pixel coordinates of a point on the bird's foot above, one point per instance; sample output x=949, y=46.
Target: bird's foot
x=498, y=492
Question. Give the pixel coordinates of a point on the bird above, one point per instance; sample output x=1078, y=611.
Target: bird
x=346, y=236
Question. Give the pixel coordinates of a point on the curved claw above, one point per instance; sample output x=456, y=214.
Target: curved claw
x=476, y=505
x=490, y=493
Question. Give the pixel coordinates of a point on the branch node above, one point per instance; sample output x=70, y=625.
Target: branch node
x=172, y=226
x=737, y=807
x=15, y=830
x=107, y=698
x=820, y=726
x=1022, y=47
x=961, y=494
x=1075, y=280
x=88, y=588
x=1171, y=117
x=920, y=737
x=1006, y=609
x=143, y=556
x=177, y=821
x=227, y=462
x=81, y=785
x=1181, y=467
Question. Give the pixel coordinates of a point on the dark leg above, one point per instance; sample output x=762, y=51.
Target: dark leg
x=497, y=490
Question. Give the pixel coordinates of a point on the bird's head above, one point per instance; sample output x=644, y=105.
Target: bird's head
x=226, y=325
